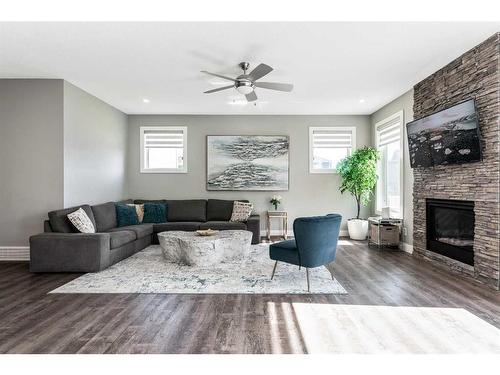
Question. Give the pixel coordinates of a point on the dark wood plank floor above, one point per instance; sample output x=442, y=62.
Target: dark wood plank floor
x=32, y=321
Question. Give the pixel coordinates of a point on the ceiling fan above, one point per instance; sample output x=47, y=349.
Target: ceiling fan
x=246, y=83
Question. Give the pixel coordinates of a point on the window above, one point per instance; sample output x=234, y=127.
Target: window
x=329, y=145
x=389, y=142
x=163, y=149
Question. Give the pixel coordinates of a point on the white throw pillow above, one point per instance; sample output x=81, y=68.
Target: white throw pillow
x=81, y=221
x=139, y=209
x=241, y=211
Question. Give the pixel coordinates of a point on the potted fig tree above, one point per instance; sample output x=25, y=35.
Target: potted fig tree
x=359, y=176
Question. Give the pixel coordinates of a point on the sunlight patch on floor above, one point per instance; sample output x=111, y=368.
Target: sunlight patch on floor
x=344, y=243
x=332, y=328
x=274, y=327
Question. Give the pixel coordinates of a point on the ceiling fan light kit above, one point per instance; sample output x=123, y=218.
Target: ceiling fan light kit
x=246, y=83
x=244, y=86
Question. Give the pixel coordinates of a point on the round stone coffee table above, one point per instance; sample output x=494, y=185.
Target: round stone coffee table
x=192, y=249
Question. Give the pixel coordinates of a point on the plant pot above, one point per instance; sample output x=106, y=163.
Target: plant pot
x=358, y=229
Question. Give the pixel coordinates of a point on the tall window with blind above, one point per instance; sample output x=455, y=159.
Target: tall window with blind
x=163, y=149
x=329, y=145
x=389, y=142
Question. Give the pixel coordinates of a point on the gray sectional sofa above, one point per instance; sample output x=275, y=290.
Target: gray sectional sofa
x=61, y=249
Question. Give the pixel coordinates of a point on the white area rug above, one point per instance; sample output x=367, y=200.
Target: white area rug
x=149, y=272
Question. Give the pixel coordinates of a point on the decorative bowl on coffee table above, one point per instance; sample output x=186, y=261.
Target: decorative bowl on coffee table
x=207, y=232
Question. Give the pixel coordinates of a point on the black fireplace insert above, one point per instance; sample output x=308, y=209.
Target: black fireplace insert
x=450, y=229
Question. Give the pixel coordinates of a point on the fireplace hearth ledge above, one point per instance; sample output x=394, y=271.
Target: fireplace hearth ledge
x=447, y=263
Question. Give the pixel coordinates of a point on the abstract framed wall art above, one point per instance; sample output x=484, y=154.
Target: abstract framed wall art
x=247, y=162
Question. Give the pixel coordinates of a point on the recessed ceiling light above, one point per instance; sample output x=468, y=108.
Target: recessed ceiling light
x=145, y=100
x=361, y=100
x=237, y=102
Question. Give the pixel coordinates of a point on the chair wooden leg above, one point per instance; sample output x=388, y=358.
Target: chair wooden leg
x=307, y=277
x=274, y=269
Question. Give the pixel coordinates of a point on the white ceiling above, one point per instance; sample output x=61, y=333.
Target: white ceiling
x=337, y=68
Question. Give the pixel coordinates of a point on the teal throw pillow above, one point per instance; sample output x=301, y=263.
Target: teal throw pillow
x=126, y=215
x=155, y=213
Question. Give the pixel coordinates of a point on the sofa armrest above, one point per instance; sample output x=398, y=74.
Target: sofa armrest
x=69, y=252
x=253, y=225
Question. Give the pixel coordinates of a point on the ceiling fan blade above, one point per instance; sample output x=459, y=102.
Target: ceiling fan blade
x=251, y=97
x=218, y=75
x=275, y=86
x=219, y=89
x=260, y=71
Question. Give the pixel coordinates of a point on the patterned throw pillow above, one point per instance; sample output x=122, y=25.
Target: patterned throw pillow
x=139, y=209
x=241, y=211
x=81, y=221
x=126, y=215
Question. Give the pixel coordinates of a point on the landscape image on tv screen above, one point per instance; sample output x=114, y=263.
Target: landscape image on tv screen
x=450, y=136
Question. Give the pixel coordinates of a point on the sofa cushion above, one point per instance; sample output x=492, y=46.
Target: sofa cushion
x=105, y=216
x=59, y=221
x=187, y=210
x=126, y=201
x=126, y=215
x=186, y=225
x=142, y=201
x=155, y=213
x=46, y=226
x=220, y=209
x=120, y=238
x=223, y=225
x=141, y=230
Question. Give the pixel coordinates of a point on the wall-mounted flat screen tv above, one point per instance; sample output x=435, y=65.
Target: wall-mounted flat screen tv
x=450, y=136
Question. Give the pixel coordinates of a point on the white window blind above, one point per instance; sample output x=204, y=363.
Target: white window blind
x=163, y=149
x=164, y=138
x=389, y=132
x=329, y=145
x=331, y=138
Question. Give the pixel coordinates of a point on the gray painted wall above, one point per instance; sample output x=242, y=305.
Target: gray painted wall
x=59, y=147
x=309, y=194
x=31, y=156
x=404, y=103
x=95, y=145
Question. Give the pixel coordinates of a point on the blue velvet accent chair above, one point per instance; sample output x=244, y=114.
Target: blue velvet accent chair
x=314, y=244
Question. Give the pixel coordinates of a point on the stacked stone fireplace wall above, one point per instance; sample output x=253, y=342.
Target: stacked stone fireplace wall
x=475, y=74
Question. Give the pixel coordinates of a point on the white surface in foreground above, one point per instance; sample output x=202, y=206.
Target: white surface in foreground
x=327, y=328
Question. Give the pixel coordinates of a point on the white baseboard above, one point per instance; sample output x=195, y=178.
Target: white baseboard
x=14, y=253
x=407, y=248
x=277, y=232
